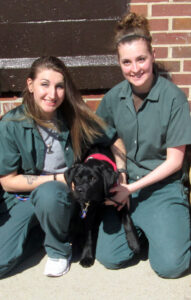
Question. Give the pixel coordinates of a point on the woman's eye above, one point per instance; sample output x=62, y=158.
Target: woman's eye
x=60, y=86
x=126, y=62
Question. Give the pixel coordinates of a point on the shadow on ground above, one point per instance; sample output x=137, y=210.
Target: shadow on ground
x=27, y=263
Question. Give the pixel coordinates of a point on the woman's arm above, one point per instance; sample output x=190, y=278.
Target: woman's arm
x=119, y=152
x=172, y=164
x=14, y=182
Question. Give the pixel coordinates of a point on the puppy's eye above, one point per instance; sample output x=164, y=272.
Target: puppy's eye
x=92, y=179
x=76, y=179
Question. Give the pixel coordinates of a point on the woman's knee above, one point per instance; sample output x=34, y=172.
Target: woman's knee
x=109, y=262
x=113, y=260
x=49, y=195
x=172, y=266
x=5, y=269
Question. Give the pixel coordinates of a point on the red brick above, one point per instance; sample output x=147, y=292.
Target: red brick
x=138, y=1
x=181, y=79
x=181, y=0
x=181, y=52
x=93, y=104
x=171, y=10
x=171, y=38
x=187, y=66
x=161, y=52
x=9, y=105
x=139, y=9
x=10, y=99
x=186, y=92
x=158, y=24
x=170, y=66
x=181, y=24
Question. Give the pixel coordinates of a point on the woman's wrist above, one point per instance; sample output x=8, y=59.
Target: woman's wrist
x=59, y=177
x=122, y=178
x=122, y=170
x=135, y=186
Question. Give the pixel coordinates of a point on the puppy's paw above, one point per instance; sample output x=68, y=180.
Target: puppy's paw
x=87, y=262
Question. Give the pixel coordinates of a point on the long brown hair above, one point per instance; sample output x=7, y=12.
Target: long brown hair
x=83, y=124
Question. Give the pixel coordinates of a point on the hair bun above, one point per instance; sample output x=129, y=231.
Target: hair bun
x=132, y=25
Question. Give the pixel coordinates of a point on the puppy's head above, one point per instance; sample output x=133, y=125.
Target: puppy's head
x=91, y=181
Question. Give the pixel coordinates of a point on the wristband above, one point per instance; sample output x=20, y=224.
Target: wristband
x=121, y=170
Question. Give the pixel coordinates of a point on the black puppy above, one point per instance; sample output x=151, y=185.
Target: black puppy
x=90, y=183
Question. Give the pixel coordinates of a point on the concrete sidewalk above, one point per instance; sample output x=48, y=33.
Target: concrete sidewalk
x=137, y=282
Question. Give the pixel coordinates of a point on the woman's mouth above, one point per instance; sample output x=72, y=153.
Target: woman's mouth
x=50, y=101
x=138, y=75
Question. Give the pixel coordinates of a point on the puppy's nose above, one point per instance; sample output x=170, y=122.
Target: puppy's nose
x=79, y=189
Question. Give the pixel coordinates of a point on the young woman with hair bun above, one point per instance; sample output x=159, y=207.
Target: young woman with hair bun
x=151, y=116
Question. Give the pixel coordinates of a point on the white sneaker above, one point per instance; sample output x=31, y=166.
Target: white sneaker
x=56, y=267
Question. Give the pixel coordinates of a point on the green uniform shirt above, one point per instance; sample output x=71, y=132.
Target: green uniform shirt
x=22, y=149
x=162, y=121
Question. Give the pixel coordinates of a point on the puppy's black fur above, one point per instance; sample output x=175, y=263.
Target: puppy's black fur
x=92, y=181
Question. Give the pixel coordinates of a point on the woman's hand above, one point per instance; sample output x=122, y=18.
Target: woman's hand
x=120, y=198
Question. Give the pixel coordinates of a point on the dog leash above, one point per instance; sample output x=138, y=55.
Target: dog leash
x=116, y=202
x=21, y=198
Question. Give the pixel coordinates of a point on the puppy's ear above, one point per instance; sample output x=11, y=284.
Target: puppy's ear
x=109, y=178
x=69, y=175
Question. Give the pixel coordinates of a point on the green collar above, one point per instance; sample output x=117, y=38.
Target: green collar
x=126, y=91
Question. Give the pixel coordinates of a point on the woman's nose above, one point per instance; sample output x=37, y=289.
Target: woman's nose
x=134, y=67
x=52, y=92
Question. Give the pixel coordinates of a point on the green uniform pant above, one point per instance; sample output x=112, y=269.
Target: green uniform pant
x=161, y=212
x=53, y=209
x=20, y=235
x=45, y=217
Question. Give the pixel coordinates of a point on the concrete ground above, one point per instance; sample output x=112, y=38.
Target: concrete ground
x=137, y=282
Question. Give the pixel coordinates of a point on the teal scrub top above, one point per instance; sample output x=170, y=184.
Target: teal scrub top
x=22, y=149
x=162, y=121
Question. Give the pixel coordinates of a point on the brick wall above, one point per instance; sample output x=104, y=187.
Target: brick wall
x=170, y=24
x=9, y=103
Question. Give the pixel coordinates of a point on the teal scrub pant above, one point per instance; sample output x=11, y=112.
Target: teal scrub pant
x=161, y=212
x=53, y=209
x=20, y=235
x=43, y=218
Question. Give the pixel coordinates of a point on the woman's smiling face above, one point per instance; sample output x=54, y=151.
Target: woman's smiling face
x=48, y=91
x=136, y=63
